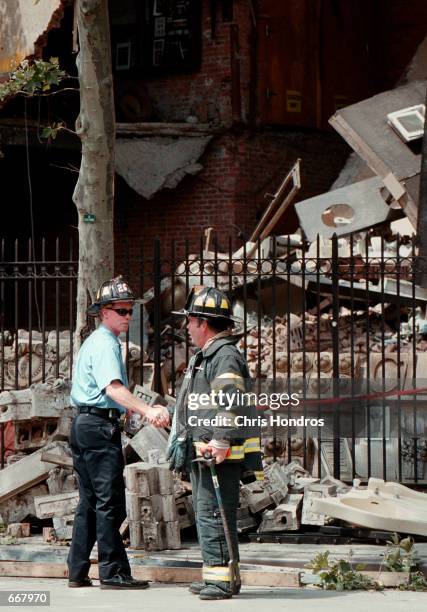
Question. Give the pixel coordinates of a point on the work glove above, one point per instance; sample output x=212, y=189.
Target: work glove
x=179, y=453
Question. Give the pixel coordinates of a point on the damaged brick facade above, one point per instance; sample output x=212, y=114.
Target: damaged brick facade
x=249, y=154
x=242, y=164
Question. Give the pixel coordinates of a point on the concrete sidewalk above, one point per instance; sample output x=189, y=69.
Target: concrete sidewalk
x=165, y=598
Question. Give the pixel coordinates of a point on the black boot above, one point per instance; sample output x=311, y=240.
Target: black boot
x=123, y=581
x=196, y=587
x=216, y=590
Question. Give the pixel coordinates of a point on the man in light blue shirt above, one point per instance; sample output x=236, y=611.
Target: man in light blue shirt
x=100, y=395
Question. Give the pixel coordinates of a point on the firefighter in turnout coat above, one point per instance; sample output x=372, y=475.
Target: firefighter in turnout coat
x=210, y=408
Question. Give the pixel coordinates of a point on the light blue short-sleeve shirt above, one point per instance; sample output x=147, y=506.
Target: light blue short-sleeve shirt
x=99, y=362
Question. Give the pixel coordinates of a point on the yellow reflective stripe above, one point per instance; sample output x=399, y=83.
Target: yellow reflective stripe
x=237, y=451
x=229, y=375
x=236, y=385
x=232, y=377
x=252, y=445
x=216, y=573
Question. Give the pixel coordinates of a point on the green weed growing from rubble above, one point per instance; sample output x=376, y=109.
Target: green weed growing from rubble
x=400, y=556
x=340, y=575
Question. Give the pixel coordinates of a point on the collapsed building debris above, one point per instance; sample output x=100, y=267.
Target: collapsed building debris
x=343, y=211
x=376, y=142
x=388, y=506
x=296, y=344
x=40, y=483
x=150, y=504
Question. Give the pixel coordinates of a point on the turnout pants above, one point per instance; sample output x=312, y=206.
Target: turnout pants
x=210, y=529
x=98, y=460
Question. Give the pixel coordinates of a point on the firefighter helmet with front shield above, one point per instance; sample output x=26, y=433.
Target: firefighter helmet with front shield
x=208, y=302
x=114, y=290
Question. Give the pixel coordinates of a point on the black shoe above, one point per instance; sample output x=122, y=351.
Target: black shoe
x=196, y=587
x=77, y=584
x=123, y=581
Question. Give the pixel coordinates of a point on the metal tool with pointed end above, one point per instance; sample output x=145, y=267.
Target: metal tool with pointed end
x=208, y=460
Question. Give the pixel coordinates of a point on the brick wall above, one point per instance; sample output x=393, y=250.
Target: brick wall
x=239, y=168
x=205, y=93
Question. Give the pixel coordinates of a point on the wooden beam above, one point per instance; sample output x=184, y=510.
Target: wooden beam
x=264, y=576
x=265, y=226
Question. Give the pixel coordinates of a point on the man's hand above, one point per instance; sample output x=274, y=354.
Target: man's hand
x=219, y=453
x=157, y=415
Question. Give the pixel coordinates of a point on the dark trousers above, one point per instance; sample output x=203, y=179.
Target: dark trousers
x=98, y=460
x=210, y=530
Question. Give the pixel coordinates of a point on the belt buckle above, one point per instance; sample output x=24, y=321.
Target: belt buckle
x=111, y=412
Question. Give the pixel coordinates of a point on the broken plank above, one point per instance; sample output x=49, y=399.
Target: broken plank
x=28, y=569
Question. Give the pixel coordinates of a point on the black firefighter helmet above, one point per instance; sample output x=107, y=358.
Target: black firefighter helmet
x=208, y=302
x=114, y=290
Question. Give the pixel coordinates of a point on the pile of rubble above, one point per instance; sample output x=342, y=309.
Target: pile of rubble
x=283, y=501
x=38, y=483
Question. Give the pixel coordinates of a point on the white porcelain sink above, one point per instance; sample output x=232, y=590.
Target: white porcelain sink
x=387, y=506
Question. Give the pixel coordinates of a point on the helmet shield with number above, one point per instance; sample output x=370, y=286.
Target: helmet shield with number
x=114, y=290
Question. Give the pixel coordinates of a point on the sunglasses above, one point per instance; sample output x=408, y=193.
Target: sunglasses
x=123, y=311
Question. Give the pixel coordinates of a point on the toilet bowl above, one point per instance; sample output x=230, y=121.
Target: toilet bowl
x=383, y=505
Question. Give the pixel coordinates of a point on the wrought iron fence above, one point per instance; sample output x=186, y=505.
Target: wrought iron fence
x=340, y=323
x=37, y=312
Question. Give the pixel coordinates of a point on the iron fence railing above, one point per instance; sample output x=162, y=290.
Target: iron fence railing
x=339, y=323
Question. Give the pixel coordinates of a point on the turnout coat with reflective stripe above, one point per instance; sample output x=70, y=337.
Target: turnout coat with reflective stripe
x=218, y=391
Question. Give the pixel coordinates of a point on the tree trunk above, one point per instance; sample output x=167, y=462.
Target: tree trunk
x=95, y=125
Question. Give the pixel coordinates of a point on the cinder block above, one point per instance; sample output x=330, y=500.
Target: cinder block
x=308, y=516
x=185, y=510
x=149, y=438
x=51, y=400
x=141, y=478
x=56, y=505
x=146, y=479
x=256, y=497
x=135, y=534
x=159, y=535
x=63, y=527
x=136, y=422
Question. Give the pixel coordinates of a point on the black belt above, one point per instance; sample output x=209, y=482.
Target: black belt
x=106, y=413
